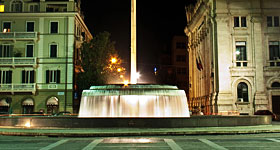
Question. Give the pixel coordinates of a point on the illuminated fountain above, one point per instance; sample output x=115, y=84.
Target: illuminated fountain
x=134, y=100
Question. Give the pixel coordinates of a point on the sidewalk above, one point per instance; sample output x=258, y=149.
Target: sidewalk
x=103, y=132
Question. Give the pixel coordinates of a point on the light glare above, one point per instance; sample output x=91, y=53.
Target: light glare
x=2, y=8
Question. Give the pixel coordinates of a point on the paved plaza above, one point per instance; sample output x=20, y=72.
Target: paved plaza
x=269, y=141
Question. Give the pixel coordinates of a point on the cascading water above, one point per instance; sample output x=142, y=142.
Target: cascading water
x=134, y=101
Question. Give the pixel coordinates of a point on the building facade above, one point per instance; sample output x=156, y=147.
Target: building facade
x=180, y=61
x=39, y=54
x=234, y=56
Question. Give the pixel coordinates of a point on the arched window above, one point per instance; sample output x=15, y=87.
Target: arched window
x=52, y=105
x=16, y=6
x=28, y=106
x=242, y=92
x=275, y=85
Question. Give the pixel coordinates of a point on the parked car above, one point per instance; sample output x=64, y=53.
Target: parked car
x=267, y=112
x=63, y=113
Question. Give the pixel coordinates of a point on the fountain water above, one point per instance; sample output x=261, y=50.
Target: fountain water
x=134, y=101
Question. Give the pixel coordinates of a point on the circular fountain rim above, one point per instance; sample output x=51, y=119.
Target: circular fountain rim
x=133, y=86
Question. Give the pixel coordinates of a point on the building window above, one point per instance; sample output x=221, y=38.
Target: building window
x=34, y=8
x=54, y=27
x=16, y=6
x=7, y=27
x=2, y=8
x=274, y=53
x=52, y=105
x=180, y=58
x=56, y=8
x=29, y=26
x=5, y=77
x=275, y=85
x=53, y=76
x=181, y=71
x=27, y=76
x=6, y=50
x=240, y=22
x=242, y=92
x=241, y=54
x=180, y=45
x=29, y=50
x=272, y=21
x=53, y=50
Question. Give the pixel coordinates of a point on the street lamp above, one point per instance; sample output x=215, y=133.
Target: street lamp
x=113, y=60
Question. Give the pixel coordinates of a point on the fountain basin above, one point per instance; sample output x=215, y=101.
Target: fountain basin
x=153, y=101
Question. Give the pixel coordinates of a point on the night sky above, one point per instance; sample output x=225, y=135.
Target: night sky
x=157, y=22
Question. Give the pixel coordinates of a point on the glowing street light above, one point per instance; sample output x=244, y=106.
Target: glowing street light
x=125, y=82
x=119, y=69
x=137, y=75
x=113, y=60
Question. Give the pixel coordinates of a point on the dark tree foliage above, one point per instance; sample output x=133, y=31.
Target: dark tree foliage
x=96, y=56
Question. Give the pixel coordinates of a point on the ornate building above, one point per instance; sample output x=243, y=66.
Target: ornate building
x=234, y=56
x=39, y=54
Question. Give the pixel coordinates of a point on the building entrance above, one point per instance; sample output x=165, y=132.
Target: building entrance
x=276, y=104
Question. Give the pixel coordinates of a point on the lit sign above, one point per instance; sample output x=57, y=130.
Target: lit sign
x=1, y=8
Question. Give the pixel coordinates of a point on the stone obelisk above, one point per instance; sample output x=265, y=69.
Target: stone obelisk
x=133, y=77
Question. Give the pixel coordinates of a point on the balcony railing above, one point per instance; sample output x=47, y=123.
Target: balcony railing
x=274, y=63
x=18, y=61
x=18, y=35
x=30, y=87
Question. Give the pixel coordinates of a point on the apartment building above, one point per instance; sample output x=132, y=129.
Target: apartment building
x=39, y=54
x=234, y=56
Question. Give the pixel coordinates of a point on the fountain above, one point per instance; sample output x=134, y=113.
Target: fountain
x=134, y=100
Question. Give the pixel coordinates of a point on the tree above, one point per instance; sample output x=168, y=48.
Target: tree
x=96, y=63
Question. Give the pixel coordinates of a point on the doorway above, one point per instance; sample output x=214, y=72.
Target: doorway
x=276, y=104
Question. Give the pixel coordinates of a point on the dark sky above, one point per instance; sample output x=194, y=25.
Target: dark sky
x=157, y=22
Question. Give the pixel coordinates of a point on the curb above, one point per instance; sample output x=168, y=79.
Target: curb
x=112, y=134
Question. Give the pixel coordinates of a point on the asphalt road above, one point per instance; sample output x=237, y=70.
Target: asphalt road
x=221, y=142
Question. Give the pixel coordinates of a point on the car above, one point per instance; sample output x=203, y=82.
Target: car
x=63, y=113
x=267, y=112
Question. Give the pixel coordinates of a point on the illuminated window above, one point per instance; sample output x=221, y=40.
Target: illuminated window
x=7, y=27
x=241, y=54
x=53, y=76
x=242, y=92
x=16, y=6
x=2, y=8
x=240, y=22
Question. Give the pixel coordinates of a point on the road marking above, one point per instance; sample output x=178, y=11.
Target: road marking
x=93, y=144
x=274, y=140
x=212, y=144
x=54, y=145
x=172, y=144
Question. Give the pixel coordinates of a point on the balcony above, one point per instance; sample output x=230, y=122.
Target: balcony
x=12, y=88
x=18, y=36
x=18, y=61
